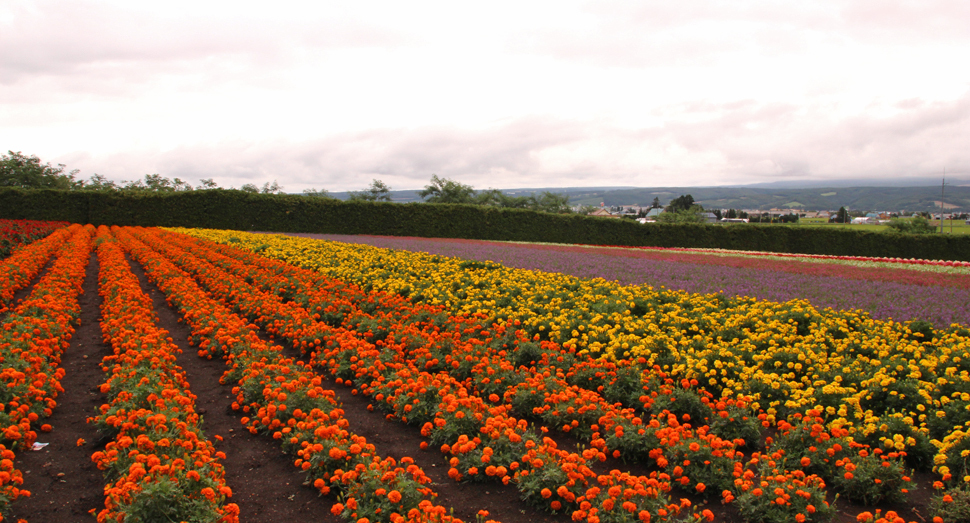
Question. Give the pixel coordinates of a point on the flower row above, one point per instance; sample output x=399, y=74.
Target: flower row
x=166, y=468
x=32, y=338
x=283, y=398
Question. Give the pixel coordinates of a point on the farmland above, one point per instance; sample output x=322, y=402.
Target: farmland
x=233, y=376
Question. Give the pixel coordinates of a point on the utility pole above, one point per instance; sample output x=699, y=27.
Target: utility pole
x=942, y=190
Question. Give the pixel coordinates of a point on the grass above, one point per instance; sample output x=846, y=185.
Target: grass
x=958, y=226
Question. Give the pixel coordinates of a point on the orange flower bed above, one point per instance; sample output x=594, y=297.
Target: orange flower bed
x=284, y=399
x=32, y=338
x=165, y=466
x=17, y=271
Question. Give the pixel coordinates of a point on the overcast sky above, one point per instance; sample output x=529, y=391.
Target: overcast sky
x=331, y=95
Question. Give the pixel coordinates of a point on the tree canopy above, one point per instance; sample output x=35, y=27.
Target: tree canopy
x=443, y=190
x=681, y=203
x=20, y=170
x=377, y=192
x=915, y=225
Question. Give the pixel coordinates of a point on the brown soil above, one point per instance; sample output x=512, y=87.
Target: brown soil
x=66, y=485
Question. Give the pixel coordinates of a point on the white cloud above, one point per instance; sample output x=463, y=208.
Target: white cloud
x=504, y=94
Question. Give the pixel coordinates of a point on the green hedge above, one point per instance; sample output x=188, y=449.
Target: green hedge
x=227, y=209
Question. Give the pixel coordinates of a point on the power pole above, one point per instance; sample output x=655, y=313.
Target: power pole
x=942, y=189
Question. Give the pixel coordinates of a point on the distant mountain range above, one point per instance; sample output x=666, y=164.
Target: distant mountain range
x=891, y=195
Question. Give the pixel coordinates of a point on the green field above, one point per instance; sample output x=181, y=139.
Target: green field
x=957, y=226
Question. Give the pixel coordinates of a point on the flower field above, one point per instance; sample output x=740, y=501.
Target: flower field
x=587, y=398
x=901, y=290
x=14, y=233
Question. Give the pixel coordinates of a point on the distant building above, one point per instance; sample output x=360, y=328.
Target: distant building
x=603, y=213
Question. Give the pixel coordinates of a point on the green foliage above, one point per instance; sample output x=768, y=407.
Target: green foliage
x=872, y=480
x=315, y=193
x=18, y=170
x=166, y=500
x=692, y=215
x=377, y=192
x=500, y=199
x=915, y=225
x=681, y=203
x=157, y=183
x=238, y=210
x=841, y=217
x=443, y=190
x=952, y=505
x=99, y=183
x=550, y=202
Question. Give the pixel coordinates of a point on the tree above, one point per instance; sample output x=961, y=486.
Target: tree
x=275, y=188
x=551, y=202
x=250, y=188
x=443, y=190
x=314, y=193
x=18, y=170
x=731, y=214
x=98, y=182
x=377, y=192
x=157, y=183
x=841, y=217
x=915, y=225
x=513, y=202
x=681, y=203
x=206, y=184
x=656, y=203
x=491, y=197
x=695, y=214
